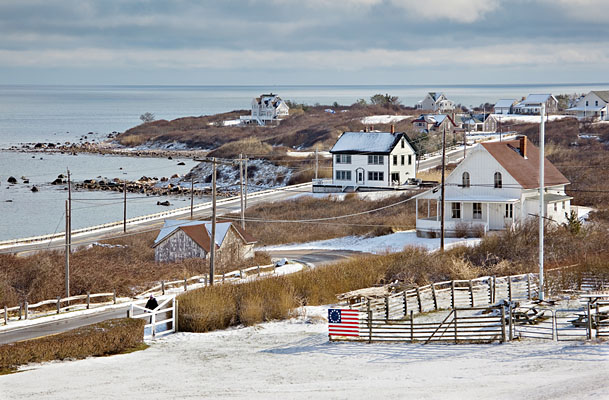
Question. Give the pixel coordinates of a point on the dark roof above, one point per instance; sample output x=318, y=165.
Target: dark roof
x=524, y=170
x=603, y=94
x=199, y=235
x=369, y=142
x=199, y=232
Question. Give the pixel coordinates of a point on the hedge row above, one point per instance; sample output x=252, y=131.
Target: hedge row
x=104, y=338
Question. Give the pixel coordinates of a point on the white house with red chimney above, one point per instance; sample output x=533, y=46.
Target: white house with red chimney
x=495, y=187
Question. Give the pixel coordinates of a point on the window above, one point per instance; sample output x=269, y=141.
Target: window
x=376, y=176
x=555, y=206
x=409, y=159
x=343, y=175
x=403, y=141
x=465, y=180
x=343, y=159
x=563, y=205
x=375, y=160
x=509, y=210
x=402, y=159
x=395, y=160
x=596, y=103
x=586, y=103
x=456, y=210
x=498, y=181
x=477, y=210
x=395, y=178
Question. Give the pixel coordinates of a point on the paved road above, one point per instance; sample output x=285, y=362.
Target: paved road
x=53, y=327
x=315, y=257
x=232, y=207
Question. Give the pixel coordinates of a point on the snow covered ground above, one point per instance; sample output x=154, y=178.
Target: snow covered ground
x=294, y=360
x=527, y=118
x=376, y=245
x=384, y=119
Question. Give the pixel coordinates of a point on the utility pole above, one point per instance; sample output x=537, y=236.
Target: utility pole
x=316, y=163
x=67, y=267
x=542, y=208
x=464, y=144
x=442, y=190
x=192, y=194
x=212, y=247
x=125, y=207
x=241, y=191
x=245, y=172
x=70, y=206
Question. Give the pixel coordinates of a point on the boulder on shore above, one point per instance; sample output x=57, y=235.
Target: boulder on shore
x=12, y=179
x=163, y=203
x=34, y=189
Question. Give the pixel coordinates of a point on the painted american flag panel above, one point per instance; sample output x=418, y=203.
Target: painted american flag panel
x=343, y=322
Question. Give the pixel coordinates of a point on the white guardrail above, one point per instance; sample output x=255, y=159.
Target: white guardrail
x=159, y=215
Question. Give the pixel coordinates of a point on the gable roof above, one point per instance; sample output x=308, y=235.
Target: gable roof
x=524, y=170
x=536, y=99
x=200, y=232
x=603, y=94
x=502, y=103
x=369, y=142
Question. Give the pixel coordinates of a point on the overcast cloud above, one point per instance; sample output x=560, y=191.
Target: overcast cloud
x=303, y=42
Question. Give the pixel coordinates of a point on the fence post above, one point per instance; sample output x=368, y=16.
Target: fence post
x=455, y=319
x=20, y=310
x=153, y=323
x=241, y=274
x=185, y=285
x=509, y=287
x=405, y=304
x=452, y=294
x=494, y=289
x=529, y=296
x=471, y=293
x=419, y=300
x=502, y=324
x=114, y=296
x=490, y=290
x=369, y=323
x=5, y=315
x=223, y=277
x=411, y=326
x=26, y=310
x=175, y=315
x=510, y=322
x=258, y=268
x=58, y=304
x=433, y=294
x=88, y=300
x=130, y=312
x=589, y=327
x=163, y=287
x=386, y=308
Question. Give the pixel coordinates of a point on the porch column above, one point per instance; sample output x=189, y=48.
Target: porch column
x=488, y=216
x=513, y=212
x=428, y=208
x=462, y=211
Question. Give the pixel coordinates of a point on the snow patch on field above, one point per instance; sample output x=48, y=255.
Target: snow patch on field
x=527, y=118
x=293, y=360
x=384, y=119
x=369, y=196
x=391, y=243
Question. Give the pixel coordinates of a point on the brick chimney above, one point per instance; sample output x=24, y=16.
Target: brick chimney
x=392, y=128
x=523, y=146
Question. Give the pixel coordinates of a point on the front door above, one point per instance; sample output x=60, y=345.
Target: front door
x=359, y=176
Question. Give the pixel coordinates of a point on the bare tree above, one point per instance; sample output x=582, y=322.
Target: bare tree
x=147, y=117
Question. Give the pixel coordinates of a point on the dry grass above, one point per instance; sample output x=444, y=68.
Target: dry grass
x=386, y=221
x=104, y=338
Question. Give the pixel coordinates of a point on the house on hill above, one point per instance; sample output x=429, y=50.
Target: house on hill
x=372, y=160
x=426, y=123
x=267, y=108
x=532, y=104
x=437, y=102
x=593, y=106
x=495, y=187
x=179, y=240
x=504, y=106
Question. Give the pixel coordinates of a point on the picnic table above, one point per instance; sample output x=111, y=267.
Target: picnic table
x=582, y=319
x=528, y=315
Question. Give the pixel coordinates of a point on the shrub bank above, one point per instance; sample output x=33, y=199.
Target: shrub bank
x=104, y=338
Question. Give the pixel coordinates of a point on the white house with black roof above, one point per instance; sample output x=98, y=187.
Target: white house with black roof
x=363, y=160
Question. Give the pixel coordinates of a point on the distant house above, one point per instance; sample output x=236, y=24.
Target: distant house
x=504, y=106
x=372, y=159
x=532, y=104
x=434, y=123
x=594, y=106
x=267, y=108
x=437, y=102
x=495, y=187
x=179, y=240
x=476, y=122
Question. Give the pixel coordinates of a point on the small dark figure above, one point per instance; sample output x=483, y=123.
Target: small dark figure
x=151, y=304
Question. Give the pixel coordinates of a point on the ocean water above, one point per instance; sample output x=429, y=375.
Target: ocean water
x=35, y=113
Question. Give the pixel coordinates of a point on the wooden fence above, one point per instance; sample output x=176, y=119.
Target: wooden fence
x=163, y=320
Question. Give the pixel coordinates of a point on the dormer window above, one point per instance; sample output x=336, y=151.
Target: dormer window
x=465, y=182
x=498, y=180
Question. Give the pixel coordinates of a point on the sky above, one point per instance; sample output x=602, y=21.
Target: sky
x=289, y=42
